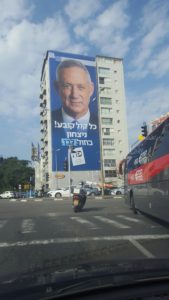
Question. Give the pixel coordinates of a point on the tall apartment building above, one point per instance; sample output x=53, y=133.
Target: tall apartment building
x=111, y=111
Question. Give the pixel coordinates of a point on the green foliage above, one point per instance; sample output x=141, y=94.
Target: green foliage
x=14, y=172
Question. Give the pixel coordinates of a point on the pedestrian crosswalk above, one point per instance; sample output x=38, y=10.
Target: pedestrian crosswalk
x=27, y=226
x=94, y=222
x=2, y=223
x=55, y=228
x=85, y=222
x=112, y=222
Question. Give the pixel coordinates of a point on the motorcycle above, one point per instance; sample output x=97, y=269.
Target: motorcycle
x=79, y=199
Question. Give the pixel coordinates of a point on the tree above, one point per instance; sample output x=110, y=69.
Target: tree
x=14, y=172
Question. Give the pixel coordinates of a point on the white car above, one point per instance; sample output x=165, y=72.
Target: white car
x=117, y=191
x=59, y=193
x=7, y=195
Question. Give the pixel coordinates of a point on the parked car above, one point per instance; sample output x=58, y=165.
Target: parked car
x=117, y=191
x=7, y=195
x=59, y=193
x=107, y=191
x=93, y=191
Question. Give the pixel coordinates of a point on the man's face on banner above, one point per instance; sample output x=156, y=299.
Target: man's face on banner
x=75, y=90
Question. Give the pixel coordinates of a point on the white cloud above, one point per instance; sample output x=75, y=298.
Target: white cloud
x=154, y=28
x=12, y=12
x=114, y=16
x=150, y=41
x=21, y=58
x=117, y=46
x=82, y=10
x=146, y=107
x=153, y=11
x=159, y=65
x=106, y=31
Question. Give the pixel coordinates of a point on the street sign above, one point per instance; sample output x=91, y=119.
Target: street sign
x=26, y=186
x=60, y=176
x=77, y=156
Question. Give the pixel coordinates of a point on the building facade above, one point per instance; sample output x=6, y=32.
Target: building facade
x=111, y=143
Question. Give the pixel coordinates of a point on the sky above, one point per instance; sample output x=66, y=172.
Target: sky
x=135, y=30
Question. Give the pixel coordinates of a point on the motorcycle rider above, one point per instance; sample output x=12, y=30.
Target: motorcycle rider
x=81, y=192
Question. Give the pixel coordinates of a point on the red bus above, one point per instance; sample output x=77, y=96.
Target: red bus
x=146, y=174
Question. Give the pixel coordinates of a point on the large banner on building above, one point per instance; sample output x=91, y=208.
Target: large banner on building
x=74, y=111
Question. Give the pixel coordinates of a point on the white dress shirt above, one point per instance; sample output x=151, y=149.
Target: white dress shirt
x=83, y=120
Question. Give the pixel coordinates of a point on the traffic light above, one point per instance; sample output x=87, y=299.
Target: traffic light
x=65, y=166
x=144, y=130
x=47, y=176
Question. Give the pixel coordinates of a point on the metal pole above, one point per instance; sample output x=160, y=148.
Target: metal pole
x=56, y=168
x=99, y=89
x=102, y=175
x=69, y=151
x=30, y=179
x=56, y=165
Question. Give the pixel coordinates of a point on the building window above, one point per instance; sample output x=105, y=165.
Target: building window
x=109, y=152
x=110, y=173
x=105, y=100
x=118, y=121
x=107, y=121
x=105, y=90
x=106, y=111
x=108, y=142
x=101, y=80
x=117, y=101
x=104, y=71
x=106, y=131
x=109, y=162
x=107, y=80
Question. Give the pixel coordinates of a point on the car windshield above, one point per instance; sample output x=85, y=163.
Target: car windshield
x=84, y=152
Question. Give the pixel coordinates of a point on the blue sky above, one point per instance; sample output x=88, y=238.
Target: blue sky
x=137, y=31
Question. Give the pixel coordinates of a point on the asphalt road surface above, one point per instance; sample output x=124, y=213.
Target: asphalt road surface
x=38, y=234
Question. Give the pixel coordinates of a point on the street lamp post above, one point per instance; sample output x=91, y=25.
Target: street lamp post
x=70, y=150
x=56, y=166
x=69, y=153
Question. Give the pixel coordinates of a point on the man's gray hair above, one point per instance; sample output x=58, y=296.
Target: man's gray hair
x=69, y=63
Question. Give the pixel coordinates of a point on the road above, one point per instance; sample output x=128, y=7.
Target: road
x=38, y=234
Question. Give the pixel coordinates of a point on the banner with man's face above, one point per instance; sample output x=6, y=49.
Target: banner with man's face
x=74, y=111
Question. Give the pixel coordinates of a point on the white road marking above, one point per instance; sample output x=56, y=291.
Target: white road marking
x=53, y=214
x=85, y=222
x=85, y=239
x=24, y=200
x=142, y=249
x=2, y=223
x=38, y=199
x=112, y=222
x=129, y=219
x=12, y=200
x=27, y=226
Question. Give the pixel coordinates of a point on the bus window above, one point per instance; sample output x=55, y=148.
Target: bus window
x=162, y=144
